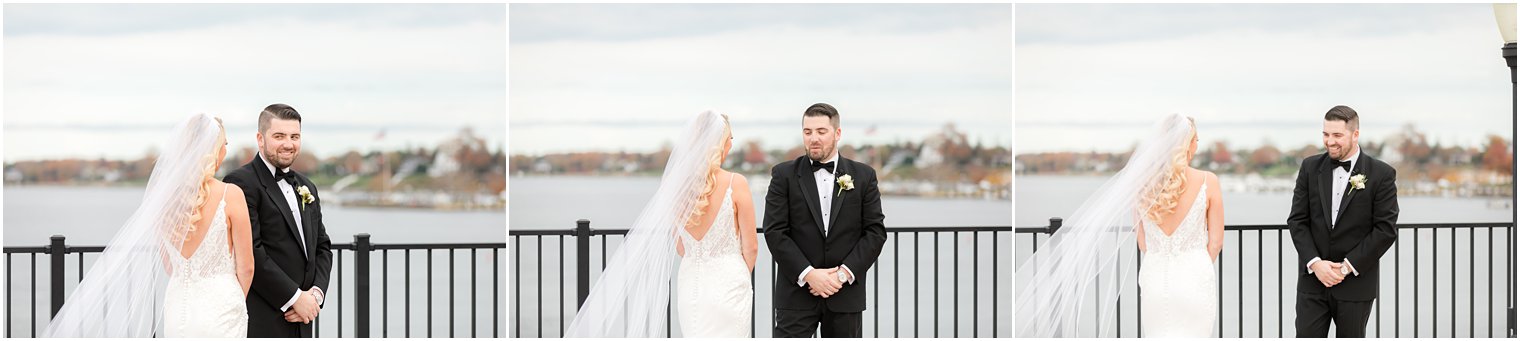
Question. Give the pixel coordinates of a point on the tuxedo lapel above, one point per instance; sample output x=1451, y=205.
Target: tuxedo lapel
x=308, y=235
x=1326, y=178
x=272, y=191
x=840, y=169
x=809, y=187
x=1360, y=168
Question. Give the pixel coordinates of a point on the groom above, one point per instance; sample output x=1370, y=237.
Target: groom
x=291, y=251
x=823, y=224
x=1345, y=205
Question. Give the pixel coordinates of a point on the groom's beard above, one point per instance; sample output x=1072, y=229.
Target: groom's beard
x=823, y=153
x=274, y=159
x=1340, y=153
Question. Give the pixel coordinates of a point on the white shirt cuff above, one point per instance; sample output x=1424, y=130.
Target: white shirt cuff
x=1311, y=262
x=801, y=282
x=1353, y=269
x=291, y=302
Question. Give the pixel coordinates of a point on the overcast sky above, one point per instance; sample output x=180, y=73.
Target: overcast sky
x=625, y=76
x=109, y=80
x=1090, y=77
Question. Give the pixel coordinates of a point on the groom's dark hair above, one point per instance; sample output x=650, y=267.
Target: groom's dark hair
x=280, y=110
x=823, y=109
x=1344, y=114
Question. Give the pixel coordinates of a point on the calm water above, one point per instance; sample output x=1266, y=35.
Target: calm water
x=1038, y=198
x=91, y=215
x=557, y=202
x=1461, y=259
x=913, y=295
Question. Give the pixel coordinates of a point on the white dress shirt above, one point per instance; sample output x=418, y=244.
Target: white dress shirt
x=825, y=179
x=825, y=182
x=1341, y=177
x=295, y=211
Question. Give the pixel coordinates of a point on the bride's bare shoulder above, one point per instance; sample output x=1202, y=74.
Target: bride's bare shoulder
x=234, y=193
x=1196, y=178
x=1201, y=174
x=740, y=182
x=1208, y=178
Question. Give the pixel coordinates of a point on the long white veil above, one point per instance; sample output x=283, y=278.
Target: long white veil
x=632, y=296
x=1070, y=286
x=122, y=294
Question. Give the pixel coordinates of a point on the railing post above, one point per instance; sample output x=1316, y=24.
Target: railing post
x=1055, y=224
x=582, y=261
x=361, y=284
x=57, y=251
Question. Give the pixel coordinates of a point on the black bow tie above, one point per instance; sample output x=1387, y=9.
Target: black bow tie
x=1343, y=164
x=282, y=175
x=823, y=165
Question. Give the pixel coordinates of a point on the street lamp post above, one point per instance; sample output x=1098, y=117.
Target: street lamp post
x=1504, y=14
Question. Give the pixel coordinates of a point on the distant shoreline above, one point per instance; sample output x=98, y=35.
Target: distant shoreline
x=1255, y=183
x=497, y=206
x=915, y=189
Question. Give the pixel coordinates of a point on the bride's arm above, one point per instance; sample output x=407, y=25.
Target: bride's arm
x=1216, y=217
x=744, y=204
x=1139, y=233
x=241, y=237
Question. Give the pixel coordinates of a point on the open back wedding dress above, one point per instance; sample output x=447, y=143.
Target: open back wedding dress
x=713, y=291
x=204, y=298
x=1178, y=287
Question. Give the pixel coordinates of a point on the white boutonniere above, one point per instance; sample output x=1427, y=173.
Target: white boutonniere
x=846, y=183
x=1358, y=181
x=306, y=197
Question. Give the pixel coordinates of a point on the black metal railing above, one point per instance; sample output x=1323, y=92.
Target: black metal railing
x=986, y=249
x=355, y=323
x=1414, y=312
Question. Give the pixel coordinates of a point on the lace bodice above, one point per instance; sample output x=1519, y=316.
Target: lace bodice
x=213, y=256
x=1191, y=235
x=720, y=240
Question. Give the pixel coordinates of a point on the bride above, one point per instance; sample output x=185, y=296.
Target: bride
x=1157, y=204
x=181, y=264
x=702, y=216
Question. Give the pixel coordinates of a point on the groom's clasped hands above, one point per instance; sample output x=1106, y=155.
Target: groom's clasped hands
x=1329, y=273
x=824, y=282
x=306, y=307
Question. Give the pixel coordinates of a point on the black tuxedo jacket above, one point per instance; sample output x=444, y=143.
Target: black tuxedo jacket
x=794, y=232
x=280, y=265
x=1362, y=234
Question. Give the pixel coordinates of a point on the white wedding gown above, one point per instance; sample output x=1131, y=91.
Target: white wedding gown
x=1178, y=286
x=713, y=289
x=204, y=298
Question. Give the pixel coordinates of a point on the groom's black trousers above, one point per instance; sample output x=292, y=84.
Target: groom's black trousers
x=1315, y=311
x=800, y=323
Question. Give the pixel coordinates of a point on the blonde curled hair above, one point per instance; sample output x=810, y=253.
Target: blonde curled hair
x=714, y=163
x=1161, y=198
x=209, y=163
